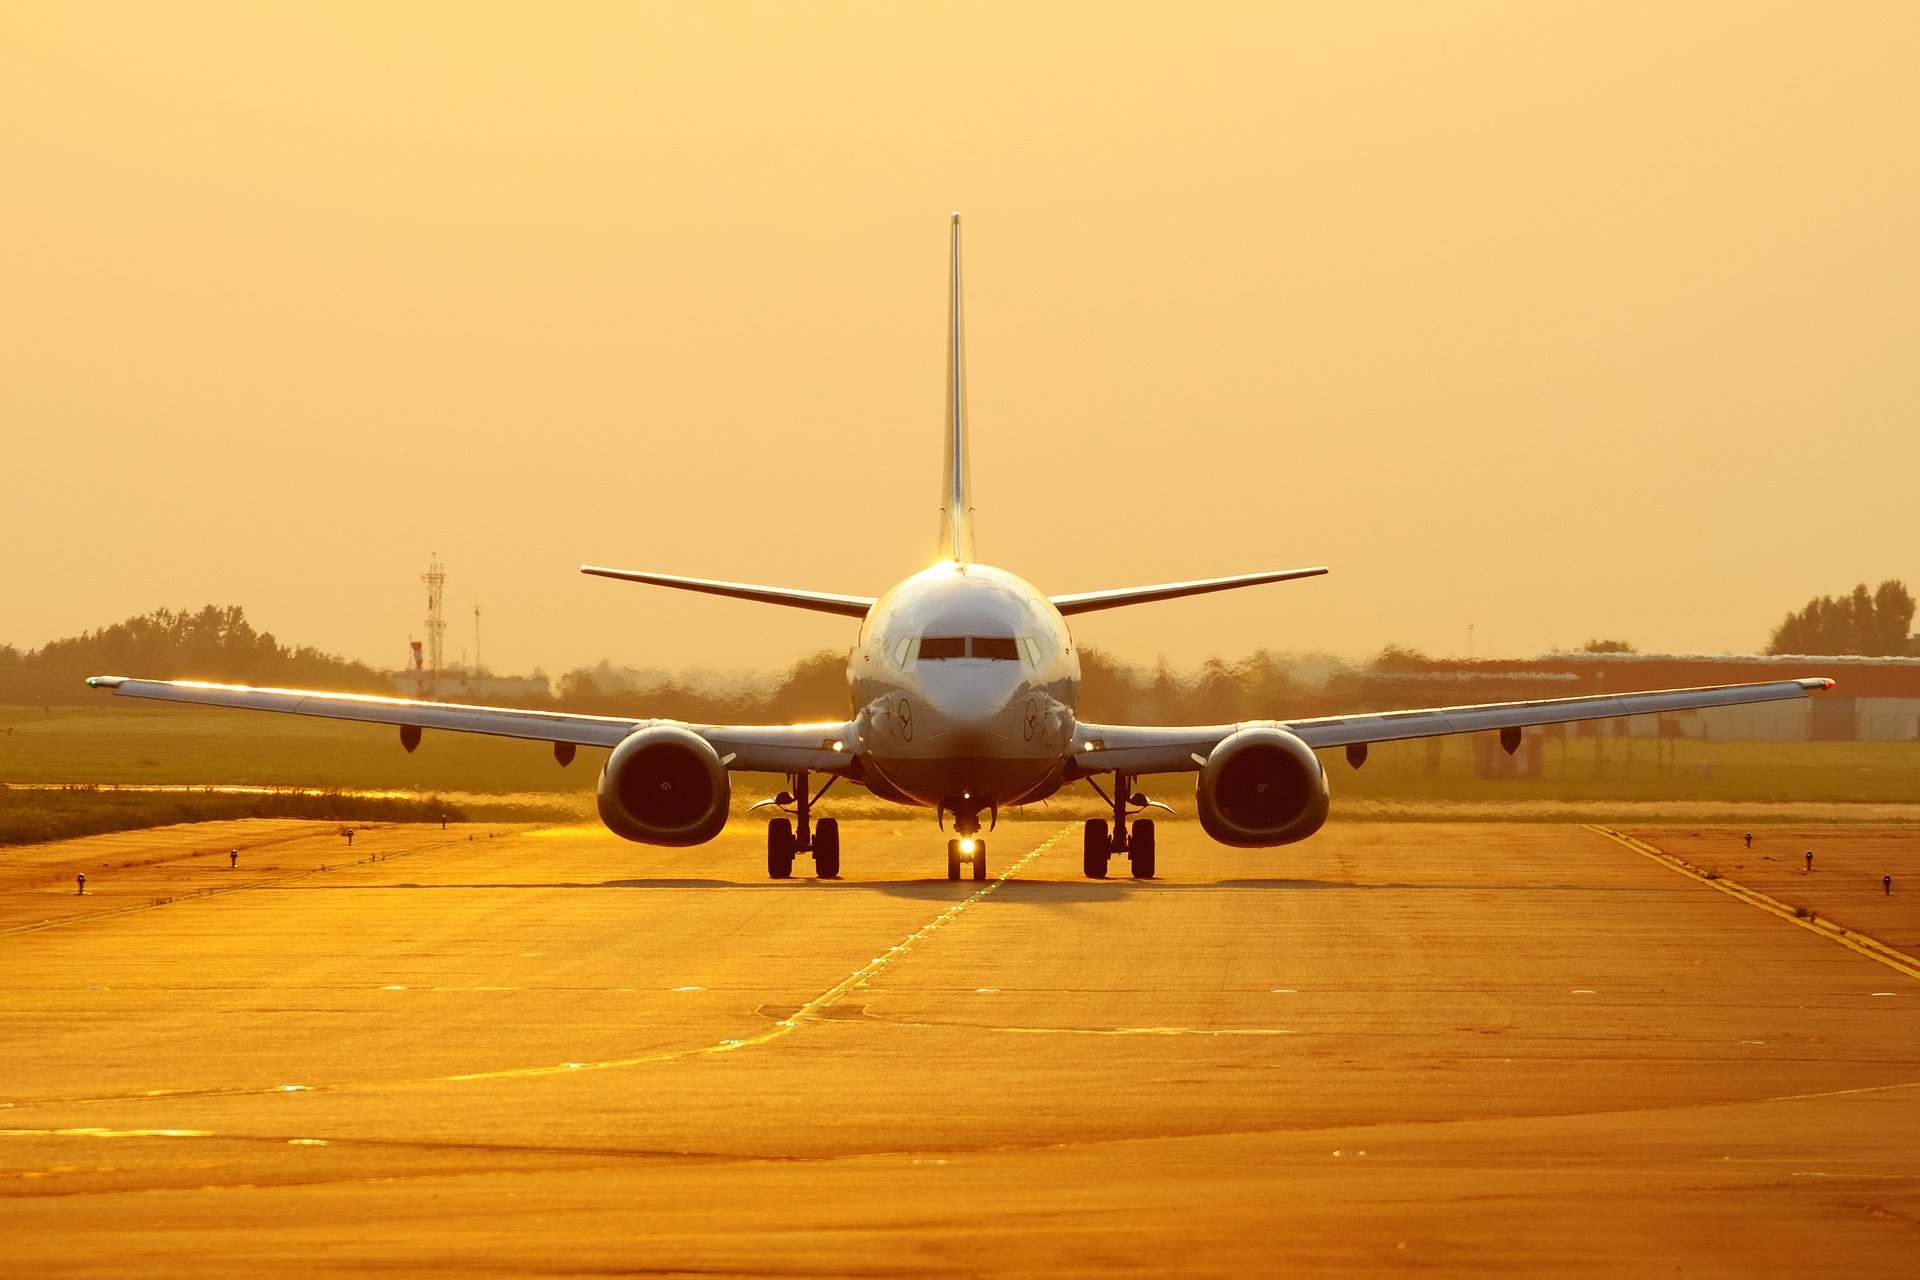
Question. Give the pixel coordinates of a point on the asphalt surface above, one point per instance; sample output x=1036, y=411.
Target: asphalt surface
x=1450, y=1049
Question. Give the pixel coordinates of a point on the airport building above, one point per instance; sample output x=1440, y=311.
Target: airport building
x=1874, y=699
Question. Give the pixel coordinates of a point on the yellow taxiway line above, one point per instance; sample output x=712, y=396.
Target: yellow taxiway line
x=1872, y=948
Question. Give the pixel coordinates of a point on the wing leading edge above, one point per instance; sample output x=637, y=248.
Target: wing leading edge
x=756, y=748
x=1175, y=749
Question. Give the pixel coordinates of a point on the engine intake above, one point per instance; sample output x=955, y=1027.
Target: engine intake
x=1260, y=787
x=664, y=785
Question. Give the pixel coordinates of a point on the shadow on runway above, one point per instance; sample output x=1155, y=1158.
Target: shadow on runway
x=546, y=884
x=943, y=890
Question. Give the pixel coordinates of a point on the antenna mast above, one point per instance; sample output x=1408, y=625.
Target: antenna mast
x=435, y=579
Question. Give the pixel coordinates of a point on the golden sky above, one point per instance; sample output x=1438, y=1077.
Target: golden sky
x=1553, y=320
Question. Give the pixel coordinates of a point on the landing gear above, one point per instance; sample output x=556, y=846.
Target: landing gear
x=783, y=842
x=826, y=849
x=1098, y=849
x=967, y=852
x=1140, y=849
x=780, y=845
x=1102, y=841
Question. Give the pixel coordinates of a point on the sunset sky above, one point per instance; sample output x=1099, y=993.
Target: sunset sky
x=1557, y=321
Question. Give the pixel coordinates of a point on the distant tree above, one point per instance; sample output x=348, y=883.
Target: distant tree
x=1867, y=623
x=1893, y=609
x=815, y=688
x=1399, y=658
x=211, y=643
x=1608, y=646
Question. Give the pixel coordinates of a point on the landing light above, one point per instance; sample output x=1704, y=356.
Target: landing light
x=967, y=846
x=836, y=745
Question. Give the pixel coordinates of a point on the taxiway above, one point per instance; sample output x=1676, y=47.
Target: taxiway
x=1446, y=1048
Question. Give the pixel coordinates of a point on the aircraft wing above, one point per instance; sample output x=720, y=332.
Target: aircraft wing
x=1133, y=749
x=755, y=748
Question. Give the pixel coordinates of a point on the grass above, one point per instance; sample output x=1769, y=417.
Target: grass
x=1616, y=769
x=125, y=742
x=32, y=816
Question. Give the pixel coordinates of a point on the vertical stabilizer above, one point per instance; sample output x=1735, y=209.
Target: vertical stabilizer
x=956, y=513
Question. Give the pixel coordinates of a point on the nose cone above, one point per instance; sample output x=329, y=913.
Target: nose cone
x=971, y=692
x=970, y=705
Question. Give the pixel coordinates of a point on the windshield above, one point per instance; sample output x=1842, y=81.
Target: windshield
x=996, y=648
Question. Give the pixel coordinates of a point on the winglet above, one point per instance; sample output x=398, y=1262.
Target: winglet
x=956, y=513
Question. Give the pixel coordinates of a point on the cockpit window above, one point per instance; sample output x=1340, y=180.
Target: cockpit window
x=996, y=648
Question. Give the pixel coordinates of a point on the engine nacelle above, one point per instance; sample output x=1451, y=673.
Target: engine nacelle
x=664, y=785
x=1260, y=787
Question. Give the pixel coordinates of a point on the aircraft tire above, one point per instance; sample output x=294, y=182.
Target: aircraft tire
x=979, y=859
x=1140, y=849
x=779, y=849
x=953, y=859
x=826, y=849
x=1094, y=862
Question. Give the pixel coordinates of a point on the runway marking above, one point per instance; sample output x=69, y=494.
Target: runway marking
x=1048, y=1144
x=812, y=1011
x=1842, y=1093
x=1102, y=1031
x=106, y=1133
x=1872, y=948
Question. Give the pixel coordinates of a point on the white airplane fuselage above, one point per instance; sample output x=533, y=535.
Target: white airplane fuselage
x=964, y=680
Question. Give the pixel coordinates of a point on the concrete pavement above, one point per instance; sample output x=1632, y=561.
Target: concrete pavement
x=1454, y=1048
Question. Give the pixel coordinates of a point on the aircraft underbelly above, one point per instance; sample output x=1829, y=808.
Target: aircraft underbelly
x=932, y=780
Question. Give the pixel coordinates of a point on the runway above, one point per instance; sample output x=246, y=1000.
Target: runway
x=1451, y=1048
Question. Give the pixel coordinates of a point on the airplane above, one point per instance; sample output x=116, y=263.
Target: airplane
x=963, y=681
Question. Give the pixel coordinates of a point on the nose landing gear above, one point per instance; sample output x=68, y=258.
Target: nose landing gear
x=1100, y=843
x=967, y=851
x=821, y=839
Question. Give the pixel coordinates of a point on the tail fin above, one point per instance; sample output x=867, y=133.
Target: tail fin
x=956, y=514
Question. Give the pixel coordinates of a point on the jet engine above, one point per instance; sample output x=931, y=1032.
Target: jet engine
x=1262, y=786
x=664, y=784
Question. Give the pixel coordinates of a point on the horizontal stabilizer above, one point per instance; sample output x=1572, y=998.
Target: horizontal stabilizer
x=819, y=601
x=1088, y=601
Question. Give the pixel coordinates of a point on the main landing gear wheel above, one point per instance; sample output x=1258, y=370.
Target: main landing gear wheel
x=1098, y=849
x=780, y=849
x=953, y=859
x=979, y=859
x=1140, y=849
x=826, y=849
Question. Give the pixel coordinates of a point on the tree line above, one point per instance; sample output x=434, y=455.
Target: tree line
x=212, y=643
x=218, y=643
x=1876, y=623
